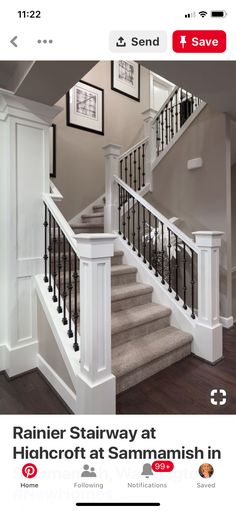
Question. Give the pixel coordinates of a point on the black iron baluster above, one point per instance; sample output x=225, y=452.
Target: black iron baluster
x=50, y=252
x=128, y=218
x=169, y=261
x=192, y=284
x=121, y=169
x=171, y=119
x=156, y=253
x=76, y=315
x=124, y=200
x=45, y=244
x=162, y=254
x=59, y=308
x=158, y=135
x=144, y=236
x=162, y=131
x=139, y=169
x=176, y=269
x=184, y=276
x=133, y=211
x=139, y=230
x=150, y=239
x=166, y=125
x=119, y=208
x=64, y=295
x=130, y=170
x=126, y=169
x=135, y=178
x=70, y=333
x=176, y=112
x=54, y=261
x=143, y=158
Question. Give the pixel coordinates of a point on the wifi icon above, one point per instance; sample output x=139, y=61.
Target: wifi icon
x=203, y=14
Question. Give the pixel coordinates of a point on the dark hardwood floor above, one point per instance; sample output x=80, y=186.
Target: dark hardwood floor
x=29, y=394
x=183, y=388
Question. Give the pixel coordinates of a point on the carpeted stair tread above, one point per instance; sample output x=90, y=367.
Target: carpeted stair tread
x=129, y=291
x=139, y=315
x=139, y=352
x=120, y=269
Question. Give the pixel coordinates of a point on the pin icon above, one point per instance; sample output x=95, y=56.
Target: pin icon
x=29, y=470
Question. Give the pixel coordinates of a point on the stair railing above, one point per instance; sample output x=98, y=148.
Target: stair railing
x=61, y=264
x=178, y=107
x=77, y=273
x=188, y=269
x=169, y=253
x=133, y=165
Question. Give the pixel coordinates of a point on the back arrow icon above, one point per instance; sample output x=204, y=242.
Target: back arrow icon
x=12, y=41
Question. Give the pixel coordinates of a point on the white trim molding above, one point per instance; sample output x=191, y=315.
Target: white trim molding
x=57, y=383
x=21, y=359
x=227, y=322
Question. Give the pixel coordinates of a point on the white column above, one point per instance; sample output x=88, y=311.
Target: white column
x=24, y=161
x=151, y=148
x=96, y=384
x=112, y=165
x=208, y=344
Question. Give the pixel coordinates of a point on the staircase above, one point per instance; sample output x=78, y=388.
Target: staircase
x=143, y=342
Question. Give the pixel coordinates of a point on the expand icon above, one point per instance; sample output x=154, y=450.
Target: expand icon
x=218, y=397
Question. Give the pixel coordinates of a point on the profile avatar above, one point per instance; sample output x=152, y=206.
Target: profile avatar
x=206, y=470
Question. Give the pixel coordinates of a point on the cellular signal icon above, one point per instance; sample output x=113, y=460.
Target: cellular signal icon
x=203, y=14
x=190, y=15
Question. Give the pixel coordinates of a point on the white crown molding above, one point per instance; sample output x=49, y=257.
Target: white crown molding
x=15, y=106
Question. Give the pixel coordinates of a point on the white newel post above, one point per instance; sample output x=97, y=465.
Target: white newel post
x=96, y=384
x=208, y=344
x=151, y=149
x=112, y=165
x=24, y=162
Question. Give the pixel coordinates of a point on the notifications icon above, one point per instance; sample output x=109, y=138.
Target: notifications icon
x=29, y=470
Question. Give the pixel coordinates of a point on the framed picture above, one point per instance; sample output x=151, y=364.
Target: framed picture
x=52, y=144
x=125, y=78
x=85, y=108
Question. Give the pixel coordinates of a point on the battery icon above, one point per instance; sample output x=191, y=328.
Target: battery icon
x=218, y=14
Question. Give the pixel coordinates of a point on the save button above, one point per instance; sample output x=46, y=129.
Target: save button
x=199, y=41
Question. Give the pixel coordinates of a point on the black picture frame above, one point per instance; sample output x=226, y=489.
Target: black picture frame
x=72, y=124
x=53, y=156
x=136, y=96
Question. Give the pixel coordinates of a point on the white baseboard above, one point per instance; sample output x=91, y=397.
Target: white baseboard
x=2, y=357
x=21, y=358
x=227, y=322
x=57, y=383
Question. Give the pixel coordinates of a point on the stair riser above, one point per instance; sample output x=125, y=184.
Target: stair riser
x=142, y=373
x=87, y=229
x=126, y=303
x=93, y=220
x=125, y=278
x=115, y=260
x=139, y=331
x=98, y=209
x=133, y=301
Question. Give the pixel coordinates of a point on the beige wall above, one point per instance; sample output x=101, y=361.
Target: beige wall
x=201, y=197
x=48, y=348
x=233, y=195
x=80, y=162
